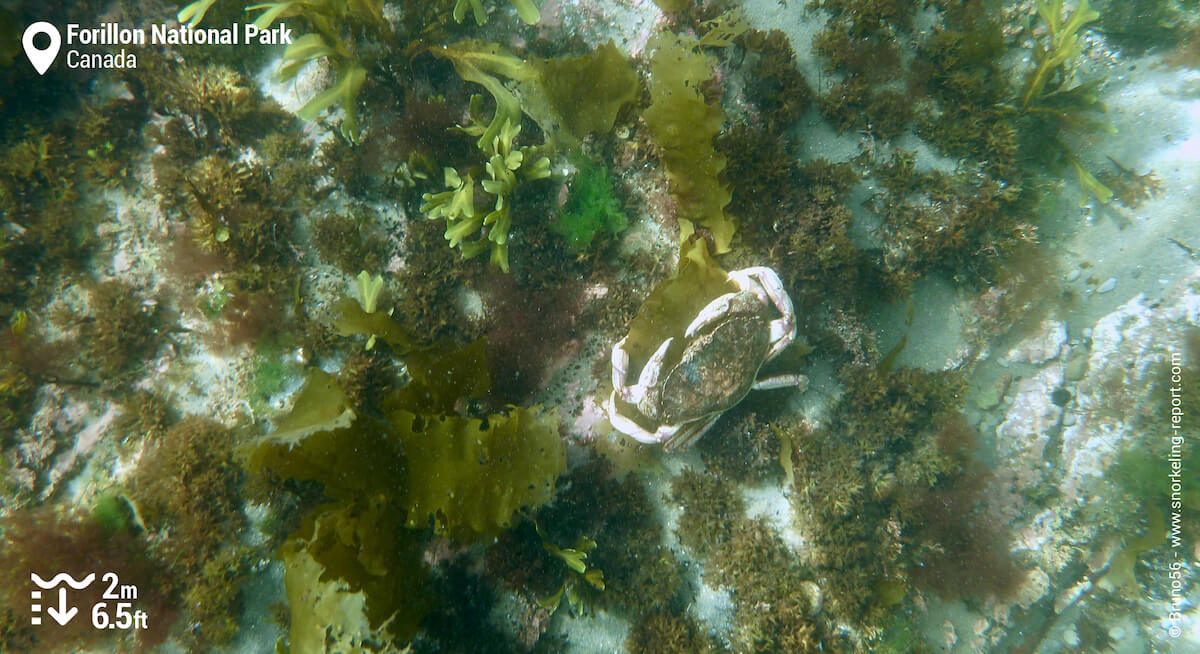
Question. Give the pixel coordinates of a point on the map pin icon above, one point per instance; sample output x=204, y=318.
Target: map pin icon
x=41, y=59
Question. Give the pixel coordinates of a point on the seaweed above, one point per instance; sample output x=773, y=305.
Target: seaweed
x=123, y=329
x=1053, y=105
x=1053, y=56
x=52, y=226
x=582, y=95
x=417, y=467
x=468, y=478
x=339, y=25
x=871, y=17
x=480, y=63
x=430, y=285
x=351, y=320
x=503, y=164
x=235, y=211
x=1130, y=188
x=592, y=208
x=526, y=9
x=684, y=125
x=573, y=588
x=214, y=96
x=748, y=557
x=641, y=574
x=780, y=91
x=897, y=496
x=561, y=95
x=853, y=104
x=464, y=619
x=187, y=487
x=353, y=574
x=668, y=633
x=18, y=384
x=871, y=58
x=348, y=241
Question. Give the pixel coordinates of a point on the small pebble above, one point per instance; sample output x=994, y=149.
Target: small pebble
x=1077, y=364
x=1108, y=285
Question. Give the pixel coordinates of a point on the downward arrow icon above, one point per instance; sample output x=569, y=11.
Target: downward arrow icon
x=61, y=614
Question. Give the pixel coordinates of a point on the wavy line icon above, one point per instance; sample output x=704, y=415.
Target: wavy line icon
x=62, y=577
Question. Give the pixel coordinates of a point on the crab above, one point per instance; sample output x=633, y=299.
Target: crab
x=724, y=348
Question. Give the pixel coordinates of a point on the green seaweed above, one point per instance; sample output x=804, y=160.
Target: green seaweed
x=337, y=23
x=568, y=98
x=1055, y=105
x=592, y=208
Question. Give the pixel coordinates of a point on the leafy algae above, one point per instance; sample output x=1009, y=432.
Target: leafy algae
x=684, y=126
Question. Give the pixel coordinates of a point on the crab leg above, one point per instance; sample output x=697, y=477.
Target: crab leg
x=783, y=329
x=719, y=308
x=684, y=438
x=780, y=381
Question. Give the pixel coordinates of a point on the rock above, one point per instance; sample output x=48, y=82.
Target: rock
x=1046, y=344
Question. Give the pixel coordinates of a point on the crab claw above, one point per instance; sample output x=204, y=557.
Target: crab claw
x=620, y=364
x=650, y=371
x=627, y=426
